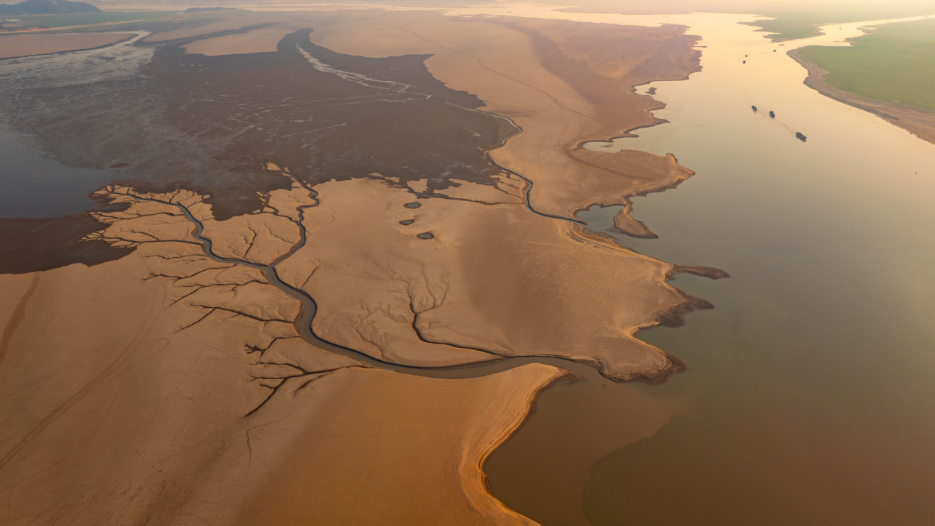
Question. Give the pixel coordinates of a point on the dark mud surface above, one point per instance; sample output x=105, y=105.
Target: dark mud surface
x=158, y=118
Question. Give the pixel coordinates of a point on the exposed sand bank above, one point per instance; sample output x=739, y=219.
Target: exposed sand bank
x=917, y=121
x=25, y=45
x=563, y=83
x=256, y=41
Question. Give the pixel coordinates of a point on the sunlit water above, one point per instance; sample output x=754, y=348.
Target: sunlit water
x=810, y=391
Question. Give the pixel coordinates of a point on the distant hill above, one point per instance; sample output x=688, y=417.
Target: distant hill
x=46, y=7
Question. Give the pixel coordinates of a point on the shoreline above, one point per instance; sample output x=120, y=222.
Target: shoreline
x=634, y=227
x=506, y=433
x=916, y=121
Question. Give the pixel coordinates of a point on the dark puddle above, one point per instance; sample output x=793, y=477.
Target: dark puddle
x=426, y=235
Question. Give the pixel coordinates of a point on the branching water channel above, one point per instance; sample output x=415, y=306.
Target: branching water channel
x=303, y=322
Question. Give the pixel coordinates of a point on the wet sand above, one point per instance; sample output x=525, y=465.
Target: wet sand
x=558, y=83
x=26, y=45
x=256, y=41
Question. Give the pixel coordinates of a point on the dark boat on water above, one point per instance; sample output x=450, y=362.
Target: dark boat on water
x=799, y=136
x=771, y=114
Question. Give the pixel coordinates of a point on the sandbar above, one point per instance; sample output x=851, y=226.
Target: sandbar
x=256, y=41
x=26, y=45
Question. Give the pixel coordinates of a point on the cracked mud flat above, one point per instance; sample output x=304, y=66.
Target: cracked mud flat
x=294, y=348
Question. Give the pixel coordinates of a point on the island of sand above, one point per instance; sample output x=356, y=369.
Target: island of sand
x=344, y=345
x=24, y=45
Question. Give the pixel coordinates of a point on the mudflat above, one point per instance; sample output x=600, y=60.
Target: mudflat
x=256, y=41
x=563, y=83
x=25, y=45
x=330, y=270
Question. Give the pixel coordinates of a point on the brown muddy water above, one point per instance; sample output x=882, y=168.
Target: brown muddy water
x=809, y=396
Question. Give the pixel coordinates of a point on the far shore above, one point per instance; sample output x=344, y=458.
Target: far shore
x=917, y=121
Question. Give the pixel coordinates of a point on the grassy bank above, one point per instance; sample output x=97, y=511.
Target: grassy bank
x=801, y=19
x=894, y=63
x=81, y=19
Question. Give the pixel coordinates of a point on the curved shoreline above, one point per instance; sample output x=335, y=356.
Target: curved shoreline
x=504, y=434
x=916, y=121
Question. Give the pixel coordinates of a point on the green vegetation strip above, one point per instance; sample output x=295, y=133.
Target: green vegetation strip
x=83, y=19
x=801, y=18
x=894, y=63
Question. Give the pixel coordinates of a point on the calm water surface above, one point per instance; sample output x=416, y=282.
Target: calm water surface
x=33, y=183
x=810, y=391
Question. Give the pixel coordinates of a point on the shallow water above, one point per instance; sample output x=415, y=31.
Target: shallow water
x=34, y=184
x=808, y=397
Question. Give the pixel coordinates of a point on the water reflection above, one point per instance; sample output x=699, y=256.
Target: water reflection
x=809, y=396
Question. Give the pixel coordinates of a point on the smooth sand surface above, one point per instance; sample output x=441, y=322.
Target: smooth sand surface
x=143, y=374
x=256, y=41
x=25, y=45
x=917, y=121
x=379, y=448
